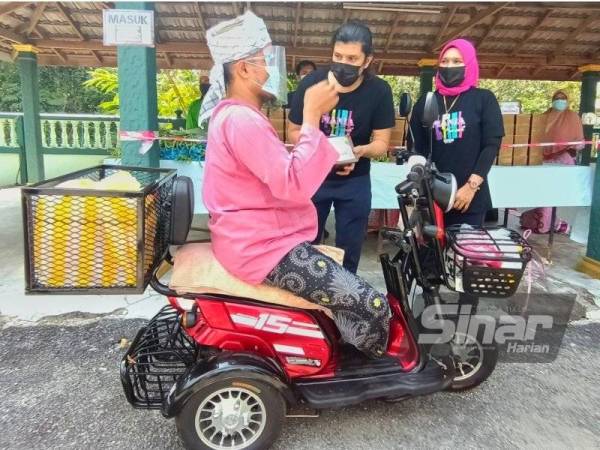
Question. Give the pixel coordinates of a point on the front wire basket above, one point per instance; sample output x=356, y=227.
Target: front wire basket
x=160, y=353
x=485, y=262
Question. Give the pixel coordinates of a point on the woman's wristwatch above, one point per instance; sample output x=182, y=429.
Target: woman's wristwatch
x=474, y=184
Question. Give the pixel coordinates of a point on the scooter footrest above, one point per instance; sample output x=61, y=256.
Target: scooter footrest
x=340, y=392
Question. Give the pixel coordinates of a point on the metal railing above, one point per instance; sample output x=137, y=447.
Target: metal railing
x=68, y=134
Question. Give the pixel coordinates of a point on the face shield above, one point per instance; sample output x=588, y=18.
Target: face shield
x=276, y=84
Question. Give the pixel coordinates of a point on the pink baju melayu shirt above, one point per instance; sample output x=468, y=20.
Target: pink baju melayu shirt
x=259, y=194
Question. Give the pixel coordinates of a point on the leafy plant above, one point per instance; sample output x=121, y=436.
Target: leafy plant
x=176, y=89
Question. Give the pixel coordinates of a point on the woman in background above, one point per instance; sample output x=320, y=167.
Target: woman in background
x=561, y=125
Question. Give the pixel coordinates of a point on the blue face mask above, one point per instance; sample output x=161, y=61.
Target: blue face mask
x=560, y=105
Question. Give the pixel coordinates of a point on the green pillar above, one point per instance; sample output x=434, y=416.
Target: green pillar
x=591, y=262
x=137, y=95
x=589, y=83
x=426, y=72
x=28, y=71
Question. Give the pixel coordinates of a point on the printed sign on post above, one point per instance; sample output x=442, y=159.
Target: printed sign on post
x=510, y=107
x=128, y=27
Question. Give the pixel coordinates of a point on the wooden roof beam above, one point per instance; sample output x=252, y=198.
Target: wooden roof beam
x=572, y=36
x=62, y=57
x=501, y=71
x=67, y=16
x=168, y=59
x=528, y=36
x=440, y=36
x=297, y=23
x=33, y=21
x=388, y=42
x=6, y=56
x=96, y=56
x=199, y=16
x=574, y=74
x=463, y=28
x=12, y=36
x=7, y=8
x=532, y=31
x=537, y=70
x=491, y=28
x=305, y=52
x=57, y=52
x=347, y=14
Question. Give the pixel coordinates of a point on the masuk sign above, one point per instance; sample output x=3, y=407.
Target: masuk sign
x=128, y=27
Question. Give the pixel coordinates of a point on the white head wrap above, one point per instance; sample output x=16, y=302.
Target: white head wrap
x=231, y=41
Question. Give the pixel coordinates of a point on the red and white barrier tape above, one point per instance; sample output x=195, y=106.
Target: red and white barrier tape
x=551, y=144
x=148, y=137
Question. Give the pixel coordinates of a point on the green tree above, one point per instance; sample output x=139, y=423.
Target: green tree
x=60, y=90
x=403, y=84
x=105, y=81
x=535, y=96
x=176, y=89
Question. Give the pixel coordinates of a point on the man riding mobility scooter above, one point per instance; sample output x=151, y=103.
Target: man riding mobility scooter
x=228, y=369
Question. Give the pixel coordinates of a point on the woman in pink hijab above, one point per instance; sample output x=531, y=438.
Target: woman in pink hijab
x=466, y=136
x=561, y=125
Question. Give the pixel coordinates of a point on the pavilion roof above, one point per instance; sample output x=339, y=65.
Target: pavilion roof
x=544, y=40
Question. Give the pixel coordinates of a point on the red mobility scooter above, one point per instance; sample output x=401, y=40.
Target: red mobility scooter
x=229, y=369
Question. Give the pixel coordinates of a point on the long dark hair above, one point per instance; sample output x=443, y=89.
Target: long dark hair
x=355, y=31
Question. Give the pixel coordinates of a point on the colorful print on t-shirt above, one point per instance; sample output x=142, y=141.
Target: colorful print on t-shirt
x=450, y=128
x=338, y=123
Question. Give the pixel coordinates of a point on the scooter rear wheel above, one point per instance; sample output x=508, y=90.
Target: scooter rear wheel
x=238, y=414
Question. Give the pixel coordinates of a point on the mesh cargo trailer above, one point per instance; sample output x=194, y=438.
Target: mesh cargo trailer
x=101, y=230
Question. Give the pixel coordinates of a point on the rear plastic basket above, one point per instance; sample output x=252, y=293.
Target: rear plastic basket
x=158, y=356
x=89, y=241
x=485, y=262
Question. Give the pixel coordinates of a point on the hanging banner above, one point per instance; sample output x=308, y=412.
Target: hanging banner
x=128, y=27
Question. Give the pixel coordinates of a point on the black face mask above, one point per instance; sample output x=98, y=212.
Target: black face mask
x=452, y=76
x=345, y=74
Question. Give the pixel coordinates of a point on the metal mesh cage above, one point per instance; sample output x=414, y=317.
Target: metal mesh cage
x=158, y=356
x=486, y=262
x=96, y=241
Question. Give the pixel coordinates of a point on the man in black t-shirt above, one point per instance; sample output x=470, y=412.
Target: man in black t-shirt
x=365, y=112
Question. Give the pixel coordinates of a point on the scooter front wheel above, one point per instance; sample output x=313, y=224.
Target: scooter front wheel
x=237, y=414
x=474, y=362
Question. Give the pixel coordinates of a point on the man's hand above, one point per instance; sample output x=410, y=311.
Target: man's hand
x=360, y=150
x=346, y=170
x=318, y=100
x=464, y=197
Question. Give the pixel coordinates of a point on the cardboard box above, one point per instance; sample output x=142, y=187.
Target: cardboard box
x=279, y=126
x=275, y=113
x=538, y=122
x=505, y=154
x=536, y=156
x=523, y=124
x=397, y=136
x=509, y=123
x=520, y=153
